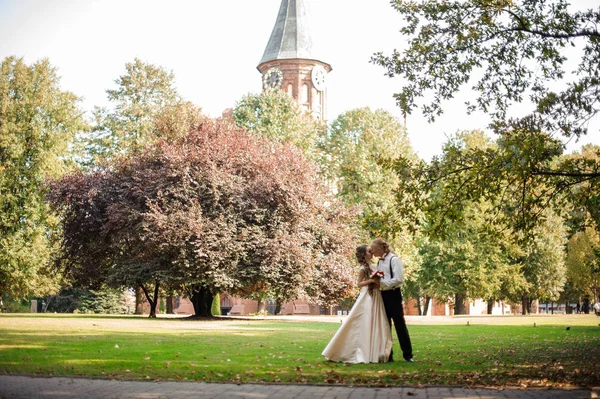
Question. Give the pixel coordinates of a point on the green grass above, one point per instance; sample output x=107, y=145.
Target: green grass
x=483, y=353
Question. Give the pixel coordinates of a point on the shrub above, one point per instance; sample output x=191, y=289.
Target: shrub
x=215, y=310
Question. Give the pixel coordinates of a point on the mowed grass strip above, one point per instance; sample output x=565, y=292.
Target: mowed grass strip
x=243, y=351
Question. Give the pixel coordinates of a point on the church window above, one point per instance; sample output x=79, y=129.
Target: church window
x=290, y=90
x=304, y=98
x=317, y=100
x=226, y=302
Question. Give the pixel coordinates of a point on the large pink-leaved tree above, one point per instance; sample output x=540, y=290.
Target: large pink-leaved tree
x=216, y=210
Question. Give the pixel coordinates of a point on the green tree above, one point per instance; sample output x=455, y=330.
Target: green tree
x=544, y=266
x=473, y=260
x=477, y=248
x=275, y=115
x=144, y=93
x=513, y=49
x=583, y=264
x=515, y=52
x=466, y=256
x=38, y=120
x=353, y=153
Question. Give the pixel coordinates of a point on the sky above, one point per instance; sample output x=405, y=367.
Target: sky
x=214, y=46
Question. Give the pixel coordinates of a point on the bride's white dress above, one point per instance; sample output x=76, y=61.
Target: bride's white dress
x=365, y=336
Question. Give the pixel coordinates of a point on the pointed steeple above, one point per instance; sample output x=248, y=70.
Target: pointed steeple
x=291, y=37
x=289, y=62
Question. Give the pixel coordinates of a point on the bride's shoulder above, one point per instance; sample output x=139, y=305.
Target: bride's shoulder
x=366, y=269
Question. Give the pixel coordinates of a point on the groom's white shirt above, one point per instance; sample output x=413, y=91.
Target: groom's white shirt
x=387, y=282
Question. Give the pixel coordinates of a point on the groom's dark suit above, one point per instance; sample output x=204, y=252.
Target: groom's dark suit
x=393, y=268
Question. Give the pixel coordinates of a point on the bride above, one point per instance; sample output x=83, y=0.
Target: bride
x=365, y=336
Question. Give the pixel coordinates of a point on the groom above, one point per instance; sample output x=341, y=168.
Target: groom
x=393, y=268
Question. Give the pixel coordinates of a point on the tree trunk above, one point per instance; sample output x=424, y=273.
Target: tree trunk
x=524, y=304
x=260, y=308
x=426, y=306
x=419, y=307
x=459, y=304
x=152, y=301
x=529, y=304
x=490, y=306
x=202, y=300
x=277, y=306
x=139, y=300
x=170, y=304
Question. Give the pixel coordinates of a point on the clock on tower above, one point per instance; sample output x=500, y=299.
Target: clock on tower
x=289, y=62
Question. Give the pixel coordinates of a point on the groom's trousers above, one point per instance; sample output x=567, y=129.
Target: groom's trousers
x=392, y=301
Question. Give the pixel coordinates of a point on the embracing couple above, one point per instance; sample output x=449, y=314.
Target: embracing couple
x=365, y=336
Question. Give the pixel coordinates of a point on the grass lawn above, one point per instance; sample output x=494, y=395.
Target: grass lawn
x=490, y=351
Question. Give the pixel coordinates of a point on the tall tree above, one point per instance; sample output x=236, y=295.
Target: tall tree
x=466, y=256
x=473, y=260
x=143, y=93
x=354, y=154
x=38, y=120
x=218, y=209
x=544, y=266
x=515, y=51
x=277, y=116
x=583, y=264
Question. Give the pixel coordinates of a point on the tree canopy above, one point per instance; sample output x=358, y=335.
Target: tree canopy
x=518, y=52
x=217, y=209
x=145, y=93
x=508, y=51
x=583, y=263
x=38, y=120
x=277, y=116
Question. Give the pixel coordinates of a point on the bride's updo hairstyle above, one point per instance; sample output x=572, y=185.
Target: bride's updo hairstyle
x=382, y=244
x=361, y=254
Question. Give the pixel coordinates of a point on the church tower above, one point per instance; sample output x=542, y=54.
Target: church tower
x=289, y=63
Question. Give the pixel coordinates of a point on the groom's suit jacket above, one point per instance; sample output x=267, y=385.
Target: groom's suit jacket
x=392, y=262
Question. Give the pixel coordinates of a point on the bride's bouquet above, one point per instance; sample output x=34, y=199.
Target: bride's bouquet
x=377, y=274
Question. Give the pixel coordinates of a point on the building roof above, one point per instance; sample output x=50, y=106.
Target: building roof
x=291, y=36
